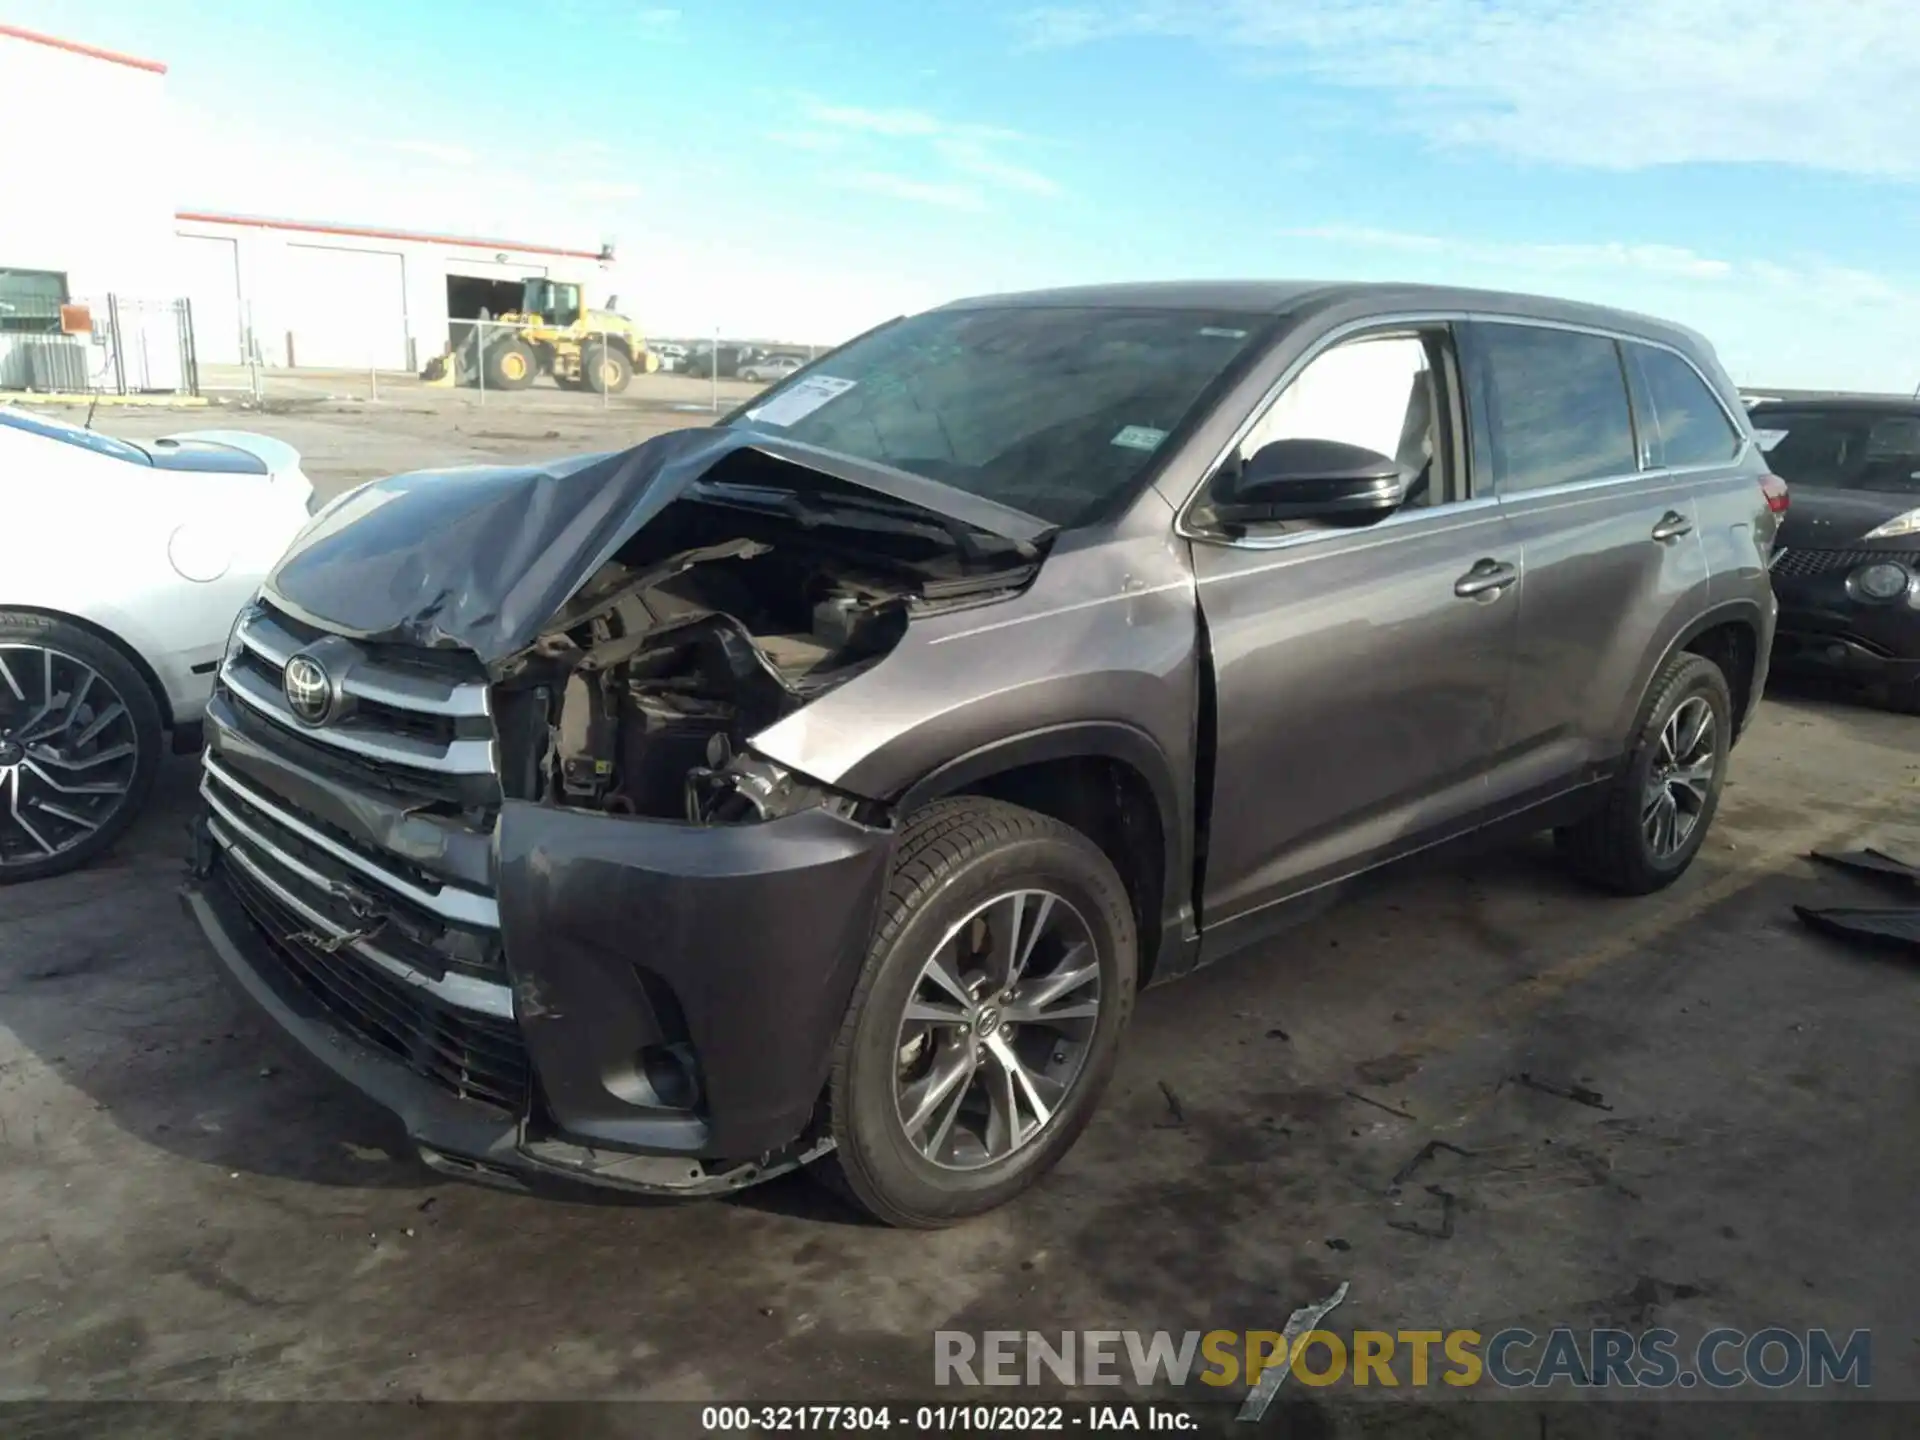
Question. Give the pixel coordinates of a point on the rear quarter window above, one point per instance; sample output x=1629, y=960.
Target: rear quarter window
x=1690, y=426
x=1557, y=409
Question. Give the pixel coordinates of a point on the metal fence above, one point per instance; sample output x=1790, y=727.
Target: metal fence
x=108, y=345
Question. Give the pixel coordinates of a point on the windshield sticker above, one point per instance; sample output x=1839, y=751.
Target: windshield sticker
x=799, y=400
x=1214, y=332
x=1140, y=437
x=1767, y=439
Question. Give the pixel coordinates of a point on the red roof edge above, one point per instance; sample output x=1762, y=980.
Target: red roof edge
x=92, y=52
x=312, y=228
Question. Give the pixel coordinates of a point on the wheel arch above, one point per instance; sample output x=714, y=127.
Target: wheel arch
x=1112, y=782
x=1729, y=635
x=148, y=675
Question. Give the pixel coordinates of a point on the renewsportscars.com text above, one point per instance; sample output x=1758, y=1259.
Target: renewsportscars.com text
x=1601, y=1358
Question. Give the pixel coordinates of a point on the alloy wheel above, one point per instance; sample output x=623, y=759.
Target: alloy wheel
x=69, y=751
x=997, y=1029
x=1680, y=783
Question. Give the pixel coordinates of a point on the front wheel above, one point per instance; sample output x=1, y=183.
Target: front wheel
x=988, y=1016
x=79, y=746
x=1657, y=809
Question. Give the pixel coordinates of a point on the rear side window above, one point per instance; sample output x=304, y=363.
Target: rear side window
x=1690, y=426
x=1556, y=404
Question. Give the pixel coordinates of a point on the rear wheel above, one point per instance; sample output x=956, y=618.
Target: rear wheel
x=1658, y=808
x=605, y=368
x=79, y=746
x=988, y=1016
x=511, y=364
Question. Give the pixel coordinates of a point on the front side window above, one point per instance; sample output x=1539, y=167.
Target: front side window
x=1557, y=406
x=1691, y=425
x=1057, y=411
x=1842, y=449
x=1379, y=393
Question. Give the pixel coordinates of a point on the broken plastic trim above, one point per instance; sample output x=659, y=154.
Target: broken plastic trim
x=749, y=788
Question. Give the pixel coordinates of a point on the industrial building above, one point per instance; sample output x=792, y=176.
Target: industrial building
x=347, y=296
x=117, y=284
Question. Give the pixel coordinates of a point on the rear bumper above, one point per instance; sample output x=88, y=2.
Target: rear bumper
x=738, y=945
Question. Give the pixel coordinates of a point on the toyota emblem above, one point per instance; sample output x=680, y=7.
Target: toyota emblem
x=308, y=688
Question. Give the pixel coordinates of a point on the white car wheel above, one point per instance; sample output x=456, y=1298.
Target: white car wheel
x=79, y=746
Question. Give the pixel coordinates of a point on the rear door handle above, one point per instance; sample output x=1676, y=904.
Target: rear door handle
x=1672, y=526
x=1486, y=580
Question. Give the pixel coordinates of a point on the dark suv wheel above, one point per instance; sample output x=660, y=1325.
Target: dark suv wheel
x=1659, y=806
x=987, y=1018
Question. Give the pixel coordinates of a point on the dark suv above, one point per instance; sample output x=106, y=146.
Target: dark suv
x=825, y=784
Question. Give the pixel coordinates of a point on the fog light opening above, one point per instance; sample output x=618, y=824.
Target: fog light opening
x=672, y=1074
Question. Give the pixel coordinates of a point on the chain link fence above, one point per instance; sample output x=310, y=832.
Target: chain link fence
x=106, y=345
x=525, y=366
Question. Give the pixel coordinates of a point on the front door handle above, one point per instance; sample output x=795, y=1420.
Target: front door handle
x=1672, y=526
x=1486, y=580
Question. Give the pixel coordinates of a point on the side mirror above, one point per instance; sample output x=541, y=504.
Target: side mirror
x=1311, y=480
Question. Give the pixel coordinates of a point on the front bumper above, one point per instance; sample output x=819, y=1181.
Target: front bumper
x=740, y=943
x=1825, y=629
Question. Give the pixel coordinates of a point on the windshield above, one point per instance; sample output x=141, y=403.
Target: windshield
x=73, y=435
x=1842, y=449
x=1055, y=411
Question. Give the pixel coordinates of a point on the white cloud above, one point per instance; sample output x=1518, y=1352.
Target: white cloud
x=1674, y=261
x=435, y=150
x=821, y=141
x=606, y=190
x=656, y=17
x=1804, y=322
x=945, y=195
x=918, y=156
x=1619, y=84
x=974, y=159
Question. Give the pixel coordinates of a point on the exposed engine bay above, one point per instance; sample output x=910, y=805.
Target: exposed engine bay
x=727, y=613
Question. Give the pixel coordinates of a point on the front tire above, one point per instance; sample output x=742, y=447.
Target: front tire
x=1658, y=808
x=987, y=1018
x=511, y=364
x=79, y=746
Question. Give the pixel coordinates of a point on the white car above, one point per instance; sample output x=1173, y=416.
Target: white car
x=125, y=569
x=772, y=369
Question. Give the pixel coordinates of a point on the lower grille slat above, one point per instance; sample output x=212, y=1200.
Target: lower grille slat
x=472, y=1056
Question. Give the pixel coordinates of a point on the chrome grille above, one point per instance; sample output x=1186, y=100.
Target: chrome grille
x=418, y=713
x=407, y=959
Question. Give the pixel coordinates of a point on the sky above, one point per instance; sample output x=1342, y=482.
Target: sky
x=808, y=169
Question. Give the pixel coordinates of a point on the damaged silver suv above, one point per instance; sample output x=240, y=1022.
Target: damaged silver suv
x=824, y=785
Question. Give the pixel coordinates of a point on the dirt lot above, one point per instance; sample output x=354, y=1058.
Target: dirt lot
x=190, y=1217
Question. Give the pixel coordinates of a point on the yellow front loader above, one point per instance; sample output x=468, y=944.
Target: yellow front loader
x=551, y=333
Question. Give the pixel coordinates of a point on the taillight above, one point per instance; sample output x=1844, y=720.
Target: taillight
x=1775, y=489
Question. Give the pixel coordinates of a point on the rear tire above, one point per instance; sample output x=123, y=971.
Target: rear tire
x=1658, y=808
x=69, y=766
x=978, y=881
x=606, y=368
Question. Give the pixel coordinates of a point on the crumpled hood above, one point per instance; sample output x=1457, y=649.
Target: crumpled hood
x=481, y=558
